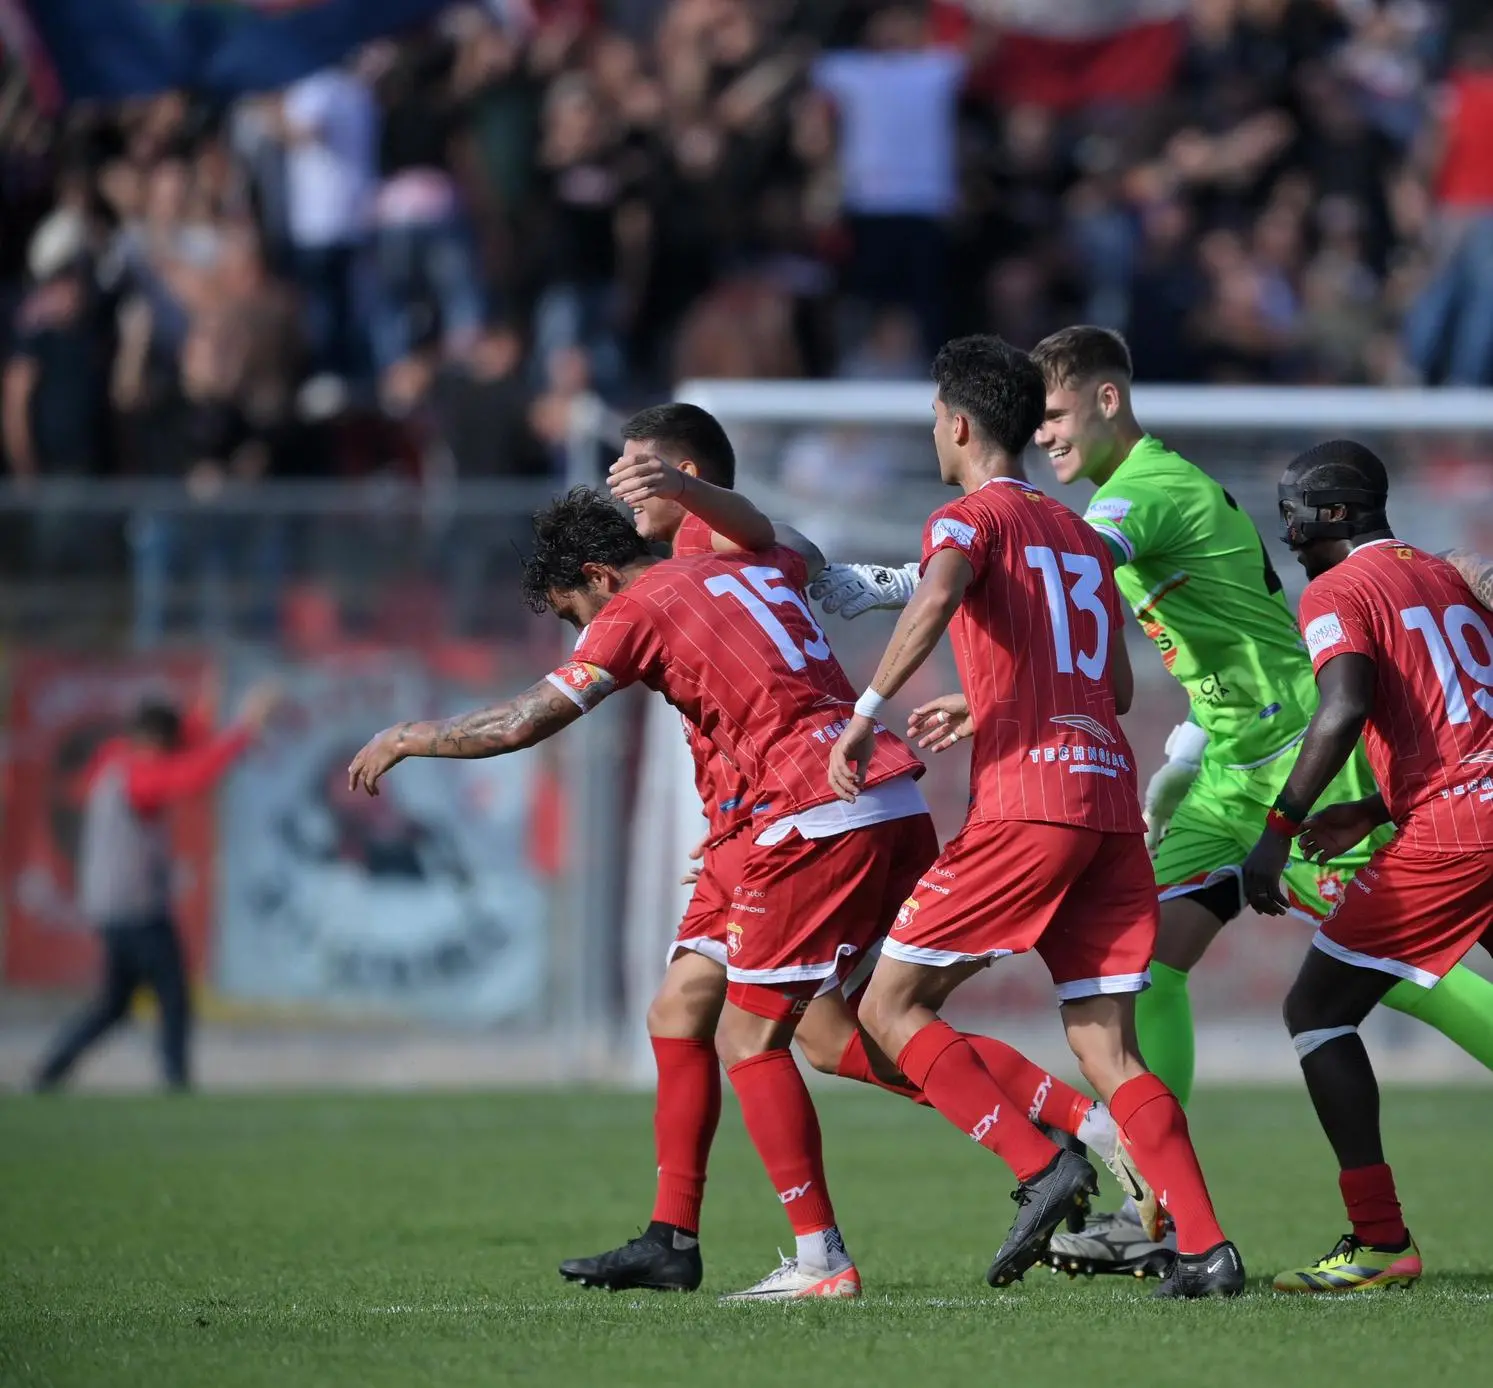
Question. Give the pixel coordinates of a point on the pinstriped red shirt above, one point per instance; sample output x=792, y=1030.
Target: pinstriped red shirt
x=1031, y=640
x=1430, y=734
x=731, y=642
x=724, y=791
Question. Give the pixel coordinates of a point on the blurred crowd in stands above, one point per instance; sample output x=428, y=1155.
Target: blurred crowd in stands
x=430, y=255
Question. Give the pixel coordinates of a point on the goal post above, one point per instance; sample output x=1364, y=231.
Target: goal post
x=851, y=465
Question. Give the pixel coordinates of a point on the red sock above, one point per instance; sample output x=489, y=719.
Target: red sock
x=1373, y=1206
x=947, y=1069
x=780, y=1119
x=1155, y=1128
x=685, y=1114
x=1049, y=1099
x=855, y=1064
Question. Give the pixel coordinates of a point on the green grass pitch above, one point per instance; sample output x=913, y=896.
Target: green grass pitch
x=403, y=1240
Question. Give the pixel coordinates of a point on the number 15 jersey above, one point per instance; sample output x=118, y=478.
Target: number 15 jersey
x=1430, y=733
x=1031, y=640
x=730, y=641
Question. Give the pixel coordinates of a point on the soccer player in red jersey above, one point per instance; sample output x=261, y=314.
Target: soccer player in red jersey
x=730, y=641
x=1052, y=856
x=1402, y=647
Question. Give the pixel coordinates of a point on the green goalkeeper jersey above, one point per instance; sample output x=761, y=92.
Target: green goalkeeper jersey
x=1194, y=570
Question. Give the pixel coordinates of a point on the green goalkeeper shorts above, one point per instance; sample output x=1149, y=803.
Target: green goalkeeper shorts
x=1221, y=818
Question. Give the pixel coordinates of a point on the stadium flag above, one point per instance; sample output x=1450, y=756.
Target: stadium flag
x=109, y=49
x=1067, y=56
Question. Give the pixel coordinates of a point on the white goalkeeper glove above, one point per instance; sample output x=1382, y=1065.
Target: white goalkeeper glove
x=1166, y=789
x=851, y=589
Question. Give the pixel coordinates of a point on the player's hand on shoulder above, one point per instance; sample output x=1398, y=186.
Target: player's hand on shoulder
x=643, y=476
x=379, y=755
x=1262, y=870
x=941, y=723
x=851, y=589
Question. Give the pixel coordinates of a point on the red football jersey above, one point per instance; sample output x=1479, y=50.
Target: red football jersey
x=731, y=642
x=723, y=790
x=1031, y=640
x=1430, y=735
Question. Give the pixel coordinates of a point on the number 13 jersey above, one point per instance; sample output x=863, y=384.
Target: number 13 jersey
x=730, y=641
x=1032, y=640
x=1430, y=733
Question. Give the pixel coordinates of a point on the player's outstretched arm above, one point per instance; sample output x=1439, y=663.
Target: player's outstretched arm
x=922, y=623
x=539, y=712
x=851, y=589
x=1477, y=571
x=1346, y=688
x=732, y=516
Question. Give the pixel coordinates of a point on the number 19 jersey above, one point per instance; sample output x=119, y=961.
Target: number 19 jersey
x=1430, y=733
x=731, y=642
x=1031, y=640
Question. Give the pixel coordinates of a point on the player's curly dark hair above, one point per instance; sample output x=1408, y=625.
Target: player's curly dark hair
x=1076, y=354
x=582, y=527
x=995, y=385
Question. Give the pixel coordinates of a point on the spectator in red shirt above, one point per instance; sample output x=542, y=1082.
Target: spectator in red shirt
x=124, y=872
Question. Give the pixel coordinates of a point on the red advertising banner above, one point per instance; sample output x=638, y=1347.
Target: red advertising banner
x=61, y=709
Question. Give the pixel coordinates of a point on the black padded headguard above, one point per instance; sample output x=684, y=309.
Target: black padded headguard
x=1337, y=473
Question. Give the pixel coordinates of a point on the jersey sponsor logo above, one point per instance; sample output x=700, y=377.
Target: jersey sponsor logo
x=1212, y=689
x=1085, y=724
x=1322, y=633
x=953, y=532
x=1478, y=758
x=1111, y=508
x=587, y=684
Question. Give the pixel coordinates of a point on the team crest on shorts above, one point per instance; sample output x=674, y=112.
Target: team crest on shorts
x=908, y=910
x=733, y=939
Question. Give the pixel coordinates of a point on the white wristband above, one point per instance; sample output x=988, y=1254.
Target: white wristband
x=869, y=704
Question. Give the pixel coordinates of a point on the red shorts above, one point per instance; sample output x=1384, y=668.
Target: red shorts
x=1411, y=913
x=1084, y=900
x=703, y=928
x=807, y=910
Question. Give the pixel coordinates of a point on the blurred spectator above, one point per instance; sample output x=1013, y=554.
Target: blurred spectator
x=329, y=126
x=896, y=100
x=1451, y=325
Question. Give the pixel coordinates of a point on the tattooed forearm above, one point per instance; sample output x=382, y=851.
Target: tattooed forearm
x=923, y=621
x=530, y=717
x=1477, y=571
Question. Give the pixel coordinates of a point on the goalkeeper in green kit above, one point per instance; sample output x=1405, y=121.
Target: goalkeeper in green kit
x=1193, y=569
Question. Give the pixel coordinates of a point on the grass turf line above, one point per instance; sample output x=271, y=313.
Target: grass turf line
x=400, y=1240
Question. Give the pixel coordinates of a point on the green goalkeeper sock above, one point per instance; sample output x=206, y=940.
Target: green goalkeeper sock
x=1163, y=1024
x=1460, y=1007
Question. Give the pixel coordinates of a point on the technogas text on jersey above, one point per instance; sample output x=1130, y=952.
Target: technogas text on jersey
x=1083, y=758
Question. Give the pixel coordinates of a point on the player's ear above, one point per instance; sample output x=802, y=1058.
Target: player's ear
x=1109, y=399
x=960, y=429
x=602, y=577
x=689, y=466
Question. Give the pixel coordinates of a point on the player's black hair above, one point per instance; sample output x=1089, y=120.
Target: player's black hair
x=1340, y=472
x=687, y=433
x=159, y=720
x=582, y=527
x=997, y=386
x=1076, y=354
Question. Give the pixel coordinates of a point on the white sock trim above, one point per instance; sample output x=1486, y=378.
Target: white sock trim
x=1308, y=1041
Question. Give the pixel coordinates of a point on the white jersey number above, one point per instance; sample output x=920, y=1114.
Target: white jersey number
x=1458, y=620
x=769, y=589
x=1087, y=575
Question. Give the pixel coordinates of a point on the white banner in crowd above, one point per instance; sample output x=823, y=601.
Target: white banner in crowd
x=420, y=901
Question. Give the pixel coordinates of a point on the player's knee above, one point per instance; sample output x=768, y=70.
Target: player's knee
x=820, y=1052
x=1301, y=1011
x=687, y=1004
